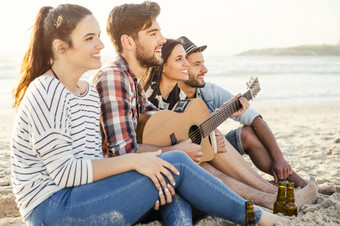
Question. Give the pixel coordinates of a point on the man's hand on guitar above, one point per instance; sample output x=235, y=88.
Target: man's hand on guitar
x=244, y=103
x=193, y=150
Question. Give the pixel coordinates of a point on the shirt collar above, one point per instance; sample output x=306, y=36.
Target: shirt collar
x=198, y=93
x=125, y=66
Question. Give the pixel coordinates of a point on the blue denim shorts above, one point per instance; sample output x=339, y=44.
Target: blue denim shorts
x=234, y=138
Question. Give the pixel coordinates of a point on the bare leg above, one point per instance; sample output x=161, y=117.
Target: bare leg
x=245, y=191
x=260, y=155
x=327, y=190
x=262, y=160
x=302, y=196
x=256, y=151
x=323, y=190
x=232, y=164
x=240, y=159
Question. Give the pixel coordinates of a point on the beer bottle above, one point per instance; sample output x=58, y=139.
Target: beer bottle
x=281, y=198
x=290, y=208
x=250, y=215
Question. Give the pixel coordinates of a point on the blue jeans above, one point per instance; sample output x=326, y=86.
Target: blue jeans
x=123, y=199
x=178, y=212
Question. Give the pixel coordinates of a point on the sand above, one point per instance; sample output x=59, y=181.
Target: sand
x=309, y=137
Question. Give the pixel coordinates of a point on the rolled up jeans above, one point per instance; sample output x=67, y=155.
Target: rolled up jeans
x=123, y=199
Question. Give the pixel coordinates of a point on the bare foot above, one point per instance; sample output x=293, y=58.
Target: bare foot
x=329, y=190
x=306, y=195
x=270, y=219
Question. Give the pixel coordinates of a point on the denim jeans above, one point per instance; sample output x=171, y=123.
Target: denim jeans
x=178, y=212
x=123, y=199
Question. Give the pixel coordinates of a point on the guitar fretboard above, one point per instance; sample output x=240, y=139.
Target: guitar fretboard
x=222, y=114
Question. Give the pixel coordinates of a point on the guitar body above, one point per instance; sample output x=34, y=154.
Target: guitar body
x=189, y=119
x=163, y=128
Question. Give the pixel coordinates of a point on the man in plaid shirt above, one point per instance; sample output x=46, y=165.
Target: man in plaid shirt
x=136, y=36
x=139, y=47
x=122, y=99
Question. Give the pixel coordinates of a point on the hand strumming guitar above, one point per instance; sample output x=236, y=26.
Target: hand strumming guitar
x=193, y=150
x=220, y=141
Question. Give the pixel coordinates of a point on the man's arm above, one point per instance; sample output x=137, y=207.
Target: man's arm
x=116, y=110
x=214, y=96
x=191, y=149
x=280, y=168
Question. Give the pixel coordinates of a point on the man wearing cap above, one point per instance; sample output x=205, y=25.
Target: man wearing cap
x=254, y=137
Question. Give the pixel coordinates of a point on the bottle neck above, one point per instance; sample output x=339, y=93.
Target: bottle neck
x=281, y=195
x=250, y=215
x=290, y=195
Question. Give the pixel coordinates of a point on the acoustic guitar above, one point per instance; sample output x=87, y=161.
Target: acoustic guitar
x=190, y=118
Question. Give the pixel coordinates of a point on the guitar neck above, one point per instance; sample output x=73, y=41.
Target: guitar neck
x=220, y=115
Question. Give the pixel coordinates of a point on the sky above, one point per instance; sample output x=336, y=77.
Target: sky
x=226, y=26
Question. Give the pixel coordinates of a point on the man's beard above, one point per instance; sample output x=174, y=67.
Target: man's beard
x=193, y=82
x=144, y=60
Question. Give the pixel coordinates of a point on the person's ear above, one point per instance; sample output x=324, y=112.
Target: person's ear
x=127, y=42
x=60, y=46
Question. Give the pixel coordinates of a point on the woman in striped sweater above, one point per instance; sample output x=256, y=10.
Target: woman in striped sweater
x=58, y=174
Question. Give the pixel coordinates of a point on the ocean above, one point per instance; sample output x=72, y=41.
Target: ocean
x=284, y=80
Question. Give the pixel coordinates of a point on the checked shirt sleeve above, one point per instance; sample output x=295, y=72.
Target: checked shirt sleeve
x=117, y=110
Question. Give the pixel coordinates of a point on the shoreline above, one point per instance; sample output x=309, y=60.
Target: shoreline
x=308, y=136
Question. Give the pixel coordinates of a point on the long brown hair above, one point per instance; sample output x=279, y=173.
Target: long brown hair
x=50, y=24
x=153, y=78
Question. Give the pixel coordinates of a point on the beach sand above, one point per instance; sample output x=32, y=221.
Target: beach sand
x=309, y=137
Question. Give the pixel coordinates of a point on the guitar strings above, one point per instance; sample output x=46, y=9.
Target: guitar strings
x=214, y=118
x=219, y=116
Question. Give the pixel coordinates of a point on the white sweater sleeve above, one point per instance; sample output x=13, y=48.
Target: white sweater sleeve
x=55, y=149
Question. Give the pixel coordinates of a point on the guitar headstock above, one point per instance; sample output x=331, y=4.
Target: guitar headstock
x=253, y=86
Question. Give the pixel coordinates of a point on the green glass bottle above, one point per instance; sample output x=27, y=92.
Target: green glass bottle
x=250, y=214
x=290, y=208
x=281, y=198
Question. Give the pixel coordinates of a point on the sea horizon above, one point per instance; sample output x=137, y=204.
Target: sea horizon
x=285, y=80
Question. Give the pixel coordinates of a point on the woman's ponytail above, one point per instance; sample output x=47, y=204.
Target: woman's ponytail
x=37, y=59
x=49, y=25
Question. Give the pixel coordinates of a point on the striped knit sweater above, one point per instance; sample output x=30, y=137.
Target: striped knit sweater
x=55, y=137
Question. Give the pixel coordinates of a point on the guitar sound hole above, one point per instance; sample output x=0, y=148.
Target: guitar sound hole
x=195, y=134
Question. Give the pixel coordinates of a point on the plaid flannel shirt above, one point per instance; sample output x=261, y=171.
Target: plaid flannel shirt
x=122, y=99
